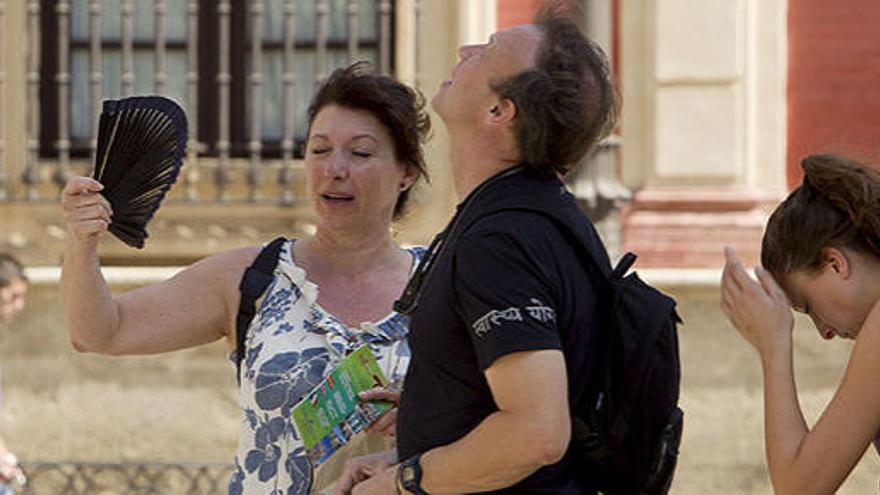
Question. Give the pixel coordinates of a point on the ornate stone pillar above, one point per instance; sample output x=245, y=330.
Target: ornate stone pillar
x=429, y=36
x=703, y=125
x=596, y=183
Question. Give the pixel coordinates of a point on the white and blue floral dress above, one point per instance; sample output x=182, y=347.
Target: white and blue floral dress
x=292, y=344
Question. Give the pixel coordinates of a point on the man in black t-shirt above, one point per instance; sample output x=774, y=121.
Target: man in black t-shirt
x=503, y=327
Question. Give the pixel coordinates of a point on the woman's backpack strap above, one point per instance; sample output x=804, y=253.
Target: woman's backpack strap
x=254, y=282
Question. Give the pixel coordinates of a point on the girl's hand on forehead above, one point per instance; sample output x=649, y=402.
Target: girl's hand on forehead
x=758, y=308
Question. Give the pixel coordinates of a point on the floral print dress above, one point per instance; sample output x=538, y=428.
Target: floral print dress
x=292, y=344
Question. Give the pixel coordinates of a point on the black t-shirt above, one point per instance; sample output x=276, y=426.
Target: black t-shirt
x=512, y=281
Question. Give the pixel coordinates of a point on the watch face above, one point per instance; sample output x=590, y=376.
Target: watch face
x=408, y=474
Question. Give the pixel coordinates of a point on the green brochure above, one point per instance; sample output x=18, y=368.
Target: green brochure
x=332, y=414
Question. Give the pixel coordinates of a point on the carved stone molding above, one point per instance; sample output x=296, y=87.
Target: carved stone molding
x=678, y=228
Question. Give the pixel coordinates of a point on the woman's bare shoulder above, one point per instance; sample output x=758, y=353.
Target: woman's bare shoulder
x=223, y=269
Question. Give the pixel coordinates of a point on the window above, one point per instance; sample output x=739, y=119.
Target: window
x=175, y=24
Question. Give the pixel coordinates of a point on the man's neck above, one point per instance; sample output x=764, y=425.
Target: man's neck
x=475, y=159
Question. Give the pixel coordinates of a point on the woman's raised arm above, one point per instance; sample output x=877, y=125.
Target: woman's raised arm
x=196, y=306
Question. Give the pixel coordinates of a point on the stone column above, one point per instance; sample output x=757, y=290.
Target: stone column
x=425, y=54
x=14, y=93
x=596, y=182
x=703, y=125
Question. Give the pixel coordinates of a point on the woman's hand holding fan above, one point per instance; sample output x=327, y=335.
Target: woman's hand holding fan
x=141, y=143
x=88, y=212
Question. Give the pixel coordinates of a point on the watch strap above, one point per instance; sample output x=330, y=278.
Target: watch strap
x=409, y=475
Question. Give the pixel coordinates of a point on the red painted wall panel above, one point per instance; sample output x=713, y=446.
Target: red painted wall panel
x=833, y=80
x=514, y=12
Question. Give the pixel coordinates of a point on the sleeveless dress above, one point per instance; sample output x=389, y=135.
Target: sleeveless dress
x=292, y=345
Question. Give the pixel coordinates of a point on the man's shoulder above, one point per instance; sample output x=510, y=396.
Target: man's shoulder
x=519, y=226
x=538, y=235
x=523, y=224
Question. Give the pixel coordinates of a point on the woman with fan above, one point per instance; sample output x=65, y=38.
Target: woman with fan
x=362, y=157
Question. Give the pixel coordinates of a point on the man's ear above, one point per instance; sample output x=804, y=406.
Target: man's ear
x=502, y=112
x=838, y=261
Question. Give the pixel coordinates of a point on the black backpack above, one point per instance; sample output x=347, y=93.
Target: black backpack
x=627, y=433
x=629, y=430
x=254, y=282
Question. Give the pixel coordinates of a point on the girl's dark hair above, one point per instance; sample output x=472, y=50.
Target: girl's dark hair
x=398, y=107
x=837, y=205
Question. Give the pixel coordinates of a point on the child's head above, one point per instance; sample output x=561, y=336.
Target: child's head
x=822, y=244
x=13, y=287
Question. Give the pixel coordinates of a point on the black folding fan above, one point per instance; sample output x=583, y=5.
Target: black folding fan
x=141, y=142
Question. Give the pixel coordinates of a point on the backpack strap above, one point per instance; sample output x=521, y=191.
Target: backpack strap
x=254, y=282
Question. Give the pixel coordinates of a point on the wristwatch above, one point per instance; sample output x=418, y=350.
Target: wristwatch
x=409, y=474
